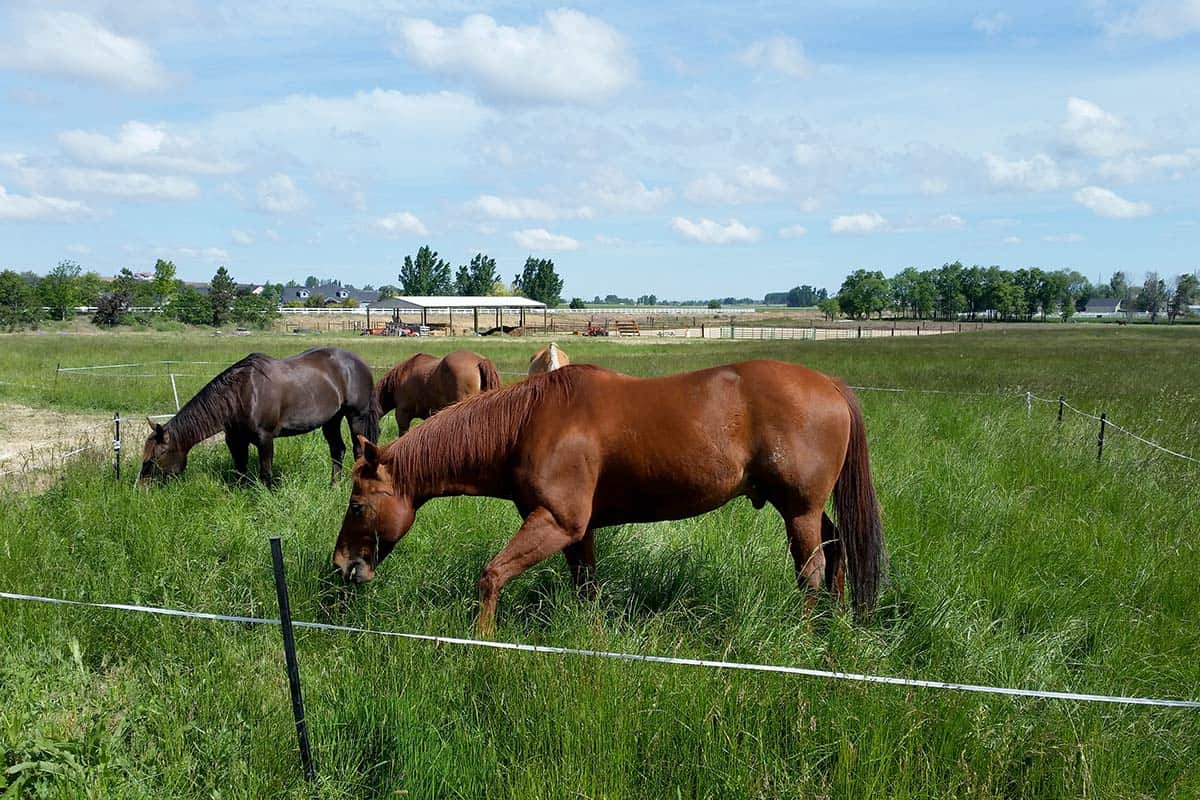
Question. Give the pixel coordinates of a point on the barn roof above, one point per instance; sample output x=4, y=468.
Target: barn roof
x=417, y=303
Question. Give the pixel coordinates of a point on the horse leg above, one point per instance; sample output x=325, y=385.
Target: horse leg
x=804, y=539
x=337, y=447
x=266, y=461
x=581, y=558
x=239, y=448
x=404, y=419
x=539, y=537
x=835, y=564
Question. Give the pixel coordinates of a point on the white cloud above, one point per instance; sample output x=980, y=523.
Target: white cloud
x=79, y=249
x=782, y=54
x=493, y=207
x=344, y=187
x=991, y=24
x=279, y=194
x=67, y=44
x=1172, y=166
x=128, y=185
x=708, y=231
x=1011, y=240
x=934, y=186
x=241, y=237
x=37, y=208
x=1038, y=174
x=1090, y=130
x=747, y=185
x=401, y=223
x=147, y=147
x=272, y=234
x=542, y=240
x=859, y=224
x=569, y=57
x=1063, y=238
x=1159, y=19
x=611, y=189
x=792, y=232
x=1106, y=203
x=949, y=222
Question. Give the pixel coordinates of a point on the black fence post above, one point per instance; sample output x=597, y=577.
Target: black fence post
x=1061, y=401
x=289, y=650
x=117, y=445
x=1100, y=441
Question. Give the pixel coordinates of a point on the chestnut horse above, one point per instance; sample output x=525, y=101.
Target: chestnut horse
x=548, y=359
x=425, y=384
x=582, y=447
x=259, y=399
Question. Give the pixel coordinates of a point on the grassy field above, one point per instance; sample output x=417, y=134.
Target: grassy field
x=1015, y=560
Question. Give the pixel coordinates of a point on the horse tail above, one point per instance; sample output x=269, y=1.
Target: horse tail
x=374, y=412
x=383, y=398
x=489, y=378
x=858, y=514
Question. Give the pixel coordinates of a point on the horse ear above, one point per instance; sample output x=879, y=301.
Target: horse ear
x=160, y=433
x=370, y=451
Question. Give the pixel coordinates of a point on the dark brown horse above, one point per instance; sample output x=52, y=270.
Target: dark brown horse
x=548, y=359
x=582, y=447
x=425, y=384
x=259, y=399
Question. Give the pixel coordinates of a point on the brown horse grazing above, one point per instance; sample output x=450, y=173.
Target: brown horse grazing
x=259, y=399
x=582, y=447
x=425, y=384
x=548, y=359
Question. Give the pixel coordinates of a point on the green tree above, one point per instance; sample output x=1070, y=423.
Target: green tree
x=426, y=275
x=577, y=303
x=830, y=308
x=1153, y=296
x=60, y=289
x=255, y=310
x=538, y=281
x=191, y=307
x=387, y=290
x=20, y=306
x=478, y=279
x=165, y=283
x=311, y=282
x=221, y=292
x=714, y=304
x=863, y=292
x=1187, y=287
x=805, y=296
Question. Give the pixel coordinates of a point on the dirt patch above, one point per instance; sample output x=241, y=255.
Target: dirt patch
x=39, y=439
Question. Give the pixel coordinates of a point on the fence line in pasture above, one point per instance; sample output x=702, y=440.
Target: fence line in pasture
x=857, y=677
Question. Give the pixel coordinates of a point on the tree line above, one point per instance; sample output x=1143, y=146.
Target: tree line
x=954, y=291
x=427, y=275
x=26, y=299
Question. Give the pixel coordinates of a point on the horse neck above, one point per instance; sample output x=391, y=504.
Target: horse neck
x=424, y=473
x=188, y=427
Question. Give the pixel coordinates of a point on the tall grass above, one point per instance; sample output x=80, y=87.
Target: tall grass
x=1014, y=559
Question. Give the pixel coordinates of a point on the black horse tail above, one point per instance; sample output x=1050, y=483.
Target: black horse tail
x=489, y=378
x=858, y=514
x=374, y=412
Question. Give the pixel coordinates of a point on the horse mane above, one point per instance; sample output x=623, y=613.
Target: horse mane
x=473, y=434
x=215, y=404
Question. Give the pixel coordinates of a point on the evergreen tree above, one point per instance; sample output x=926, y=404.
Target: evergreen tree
x=221, y=291
x=426, y=275
x=538, y=281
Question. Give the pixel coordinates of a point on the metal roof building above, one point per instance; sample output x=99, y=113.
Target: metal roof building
x=448, y=304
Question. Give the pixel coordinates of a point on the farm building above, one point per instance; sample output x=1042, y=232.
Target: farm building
x=1101, y=307
x=449, y=304
x=332, y=293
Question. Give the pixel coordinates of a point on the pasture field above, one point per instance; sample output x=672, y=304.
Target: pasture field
x=1014, y=560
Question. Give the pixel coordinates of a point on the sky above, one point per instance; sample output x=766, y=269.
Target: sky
x=688, y=150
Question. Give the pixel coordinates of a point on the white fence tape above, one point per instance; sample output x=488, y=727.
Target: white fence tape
x=857, y=677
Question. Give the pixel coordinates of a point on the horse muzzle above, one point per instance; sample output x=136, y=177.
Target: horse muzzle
x=357, y=570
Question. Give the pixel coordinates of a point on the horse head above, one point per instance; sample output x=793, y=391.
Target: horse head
x=548, y=359
x=162, y=457
x=377, y=517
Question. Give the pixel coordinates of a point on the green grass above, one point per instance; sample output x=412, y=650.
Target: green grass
x=1015, y=560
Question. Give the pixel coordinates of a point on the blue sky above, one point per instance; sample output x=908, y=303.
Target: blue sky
x=686, y=150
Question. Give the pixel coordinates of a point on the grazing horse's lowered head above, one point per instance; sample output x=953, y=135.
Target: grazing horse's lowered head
x=375, y=520
x=162, y=456
x=548, y=359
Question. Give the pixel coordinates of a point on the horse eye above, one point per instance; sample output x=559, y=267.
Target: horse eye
x=357, y=508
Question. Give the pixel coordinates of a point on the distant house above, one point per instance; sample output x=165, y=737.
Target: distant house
x=1101, y=307
x=330, y=292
